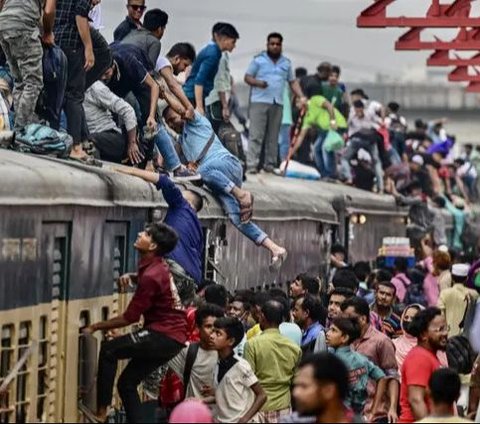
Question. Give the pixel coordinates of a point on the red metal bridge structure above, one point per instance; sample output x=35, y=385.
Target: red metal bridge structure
x=454, y=15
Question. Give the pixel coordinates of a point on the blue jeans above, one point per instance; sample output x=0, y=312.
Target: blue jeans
x=284, y=141
x=221, y=175
x=324, y=160
x=164, y=143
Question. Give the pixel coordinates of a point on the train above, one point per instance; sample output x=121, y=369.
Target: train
x=67, y=233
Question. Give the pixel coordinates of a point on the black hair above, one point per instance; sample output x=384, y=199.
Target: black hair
x=343, y=291
x=301, y=72
x=345, y=278
x=216, y=294
x=183, y=50
x=216, y=27
x=439, y=201
x=233, y=327
x=383, y=275
x=204, y=284
x=394, y=107
x=315, y=309
x=358, y=104
x=310, y=283
x=389, y=285
x=359, y=305
x=338, y=248
x=260, y=299
x=208, y=310
x=229, y=31
x=456, y=279
x=336, y=69
x=285, y=302
x=459, y=161
x=244, y=296
x=275, y=35
x=329, y=368
x=276, y=292
x=419, y=123
x=274, y=311
x=362, y=270
x=445, y=386
x=401, y=264
x=164, y=236
x=422, y=321
x=468, y=146
x=154, y=19
x=348, y=326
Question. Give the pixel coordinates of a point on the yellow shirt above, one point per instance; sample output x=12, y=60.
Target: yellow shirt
x=254, y=331
x=452, y=303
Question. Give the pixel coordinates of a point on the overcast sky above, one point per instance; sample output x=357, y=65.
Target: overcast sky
x=314, y=30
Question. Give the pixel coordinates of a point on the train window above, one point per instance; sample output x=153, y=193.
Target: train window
x=84, y=320
x=118, y=259
x=22, y=401
x=6, y=364
x=42, y=386
x=59, y=277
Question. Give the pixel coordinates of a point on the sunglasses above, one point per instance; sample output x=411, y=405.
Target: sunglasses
x=137, y=8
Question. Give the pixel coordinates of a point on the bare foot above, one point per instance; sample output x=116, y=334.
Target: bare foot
x=246, y=206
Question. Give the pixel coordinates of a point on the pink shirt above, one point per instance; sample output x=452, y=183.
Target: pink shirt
x=401, y=282
x=431, y=289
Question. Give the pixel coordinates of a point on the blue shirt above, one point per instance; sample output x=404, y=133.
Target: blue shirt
x=184, y=220
x=204, y=70
x=276, y=74
x=311, y=333
x=133, y=67
x=196, y=134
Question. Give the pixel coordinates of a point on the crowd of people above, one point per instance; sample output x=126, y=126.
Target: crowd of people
x=383, y=345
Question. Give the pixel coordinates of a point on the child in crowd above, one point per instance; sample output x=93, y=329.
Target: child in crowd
x=238, y=394
x=342, y=333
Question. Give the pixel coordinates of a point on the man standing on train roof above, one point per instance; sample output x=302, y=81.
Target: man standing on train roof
x=185, y=261
x=222, y=173
x=164, y=331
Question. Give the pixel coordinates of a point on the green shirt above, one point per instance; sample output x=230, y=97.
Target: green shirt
x=274, y=359
x=318, y=116
x=331, y=93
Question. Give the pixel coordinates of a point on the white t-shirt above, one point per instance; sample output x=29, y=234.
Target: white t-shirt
x=202, y=370
x=233, y=395
x=162, y=62
x=467, y=169
x=96, y=17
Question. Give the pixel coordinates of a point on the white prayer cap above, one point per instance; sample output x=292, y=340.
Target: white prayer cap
x=418, y=160
x=460, y=270
x=364, y=155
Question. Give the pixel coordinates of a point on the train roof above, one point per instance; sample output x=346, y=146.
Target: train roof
x=32, y=180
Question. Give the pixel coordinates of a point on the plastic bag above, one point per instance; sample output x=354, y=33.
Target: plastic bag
x=333, y=141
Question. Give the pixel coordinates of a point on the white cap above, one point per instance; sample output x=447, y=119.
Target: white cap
x=362, y=154
x=460, y=270
x=443, y=248
x=418, y=160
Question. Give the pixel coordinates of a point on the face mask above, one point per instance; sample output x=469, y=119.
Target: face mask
x=406, y=327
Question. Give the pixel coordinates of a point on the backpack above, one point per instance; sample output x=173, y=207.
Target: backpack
x=42, y=140
x=414, y=291
x=232, y=140
x=460, y=354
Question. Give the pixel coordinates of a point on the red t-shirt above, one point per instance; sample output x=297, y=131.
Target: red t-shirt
x=156, y=298
x=417, y=369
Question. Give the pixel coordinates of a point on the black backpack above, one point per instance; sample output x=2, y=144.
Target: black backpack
x=460, y=354
x=232, y=140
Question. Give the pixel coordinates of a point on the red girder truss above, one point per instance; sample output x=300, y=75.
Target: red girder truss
x=456, y=14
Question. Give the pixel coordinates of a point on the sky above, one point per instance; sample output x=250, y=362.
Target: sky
x=314, y=30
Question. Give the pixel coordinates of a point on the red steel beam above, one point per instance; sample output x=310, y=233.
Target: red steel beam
x=460, y=74
x=439, y=15
x=442, y=58
x=467, y=39
x=473, y=87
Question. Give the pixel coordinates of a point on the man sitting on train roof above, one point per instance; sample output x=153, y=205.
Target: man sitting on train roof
x=164, y=331
x=222, y=173
x=185, y=261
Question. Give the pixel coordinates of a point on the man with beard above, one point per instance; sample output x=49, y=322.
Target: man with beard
x=320, y=389
x=267, y=75
x=431, y=330
x=387, y=321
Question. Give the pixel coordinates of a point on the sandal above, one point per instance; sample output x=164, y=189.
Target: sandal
x=246, y=212
x=277, y=262
x=88, y=160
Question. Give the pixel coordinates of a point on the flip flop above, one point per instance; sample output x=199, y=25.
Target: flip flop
x=277, y=262
x=247, y=211
x=88, y=160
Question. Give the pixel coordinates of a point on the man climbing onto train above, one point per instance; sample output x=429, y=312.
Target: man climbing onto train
x=162, y=336
x=185, y=261
x=222, y=174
